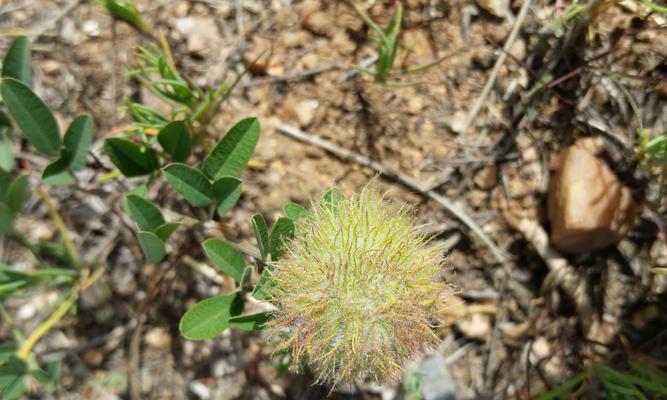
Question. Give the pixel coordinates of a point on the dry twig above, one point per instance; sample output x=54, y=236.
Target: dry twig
x=41, y=27
x=404, y=179
x=496, y=68
x=561, y=273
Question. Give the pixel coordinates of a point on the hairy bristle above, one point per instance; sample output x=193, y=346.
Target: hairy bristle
x=356, y=290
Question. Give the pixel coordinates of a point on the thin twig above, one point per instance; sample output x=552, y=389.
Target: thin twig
x=472, y=115
x=114, y=62
x=404, y=179
x=15, y=7
x=44, y=26
x=561, y=272
x=365, y=63
x=204, y=269
x=116, y=334
x=297, y=76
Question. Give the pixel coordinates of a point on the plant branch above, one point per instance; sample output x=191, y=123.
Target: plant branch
x=46, y=326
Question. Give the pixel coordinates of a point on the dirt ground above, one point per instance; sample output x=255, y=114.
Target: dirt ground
x=512, y=330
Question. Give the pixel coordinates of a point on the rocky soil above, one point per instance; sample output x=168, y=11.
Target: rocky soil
x=551, y=222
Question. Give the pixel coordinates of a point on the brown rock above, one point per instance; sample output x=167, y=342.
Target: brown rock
x=93, y=358
x=267, y=58
x=486, y=177
x=589, y=208
x=418, y=48
x=318, y=23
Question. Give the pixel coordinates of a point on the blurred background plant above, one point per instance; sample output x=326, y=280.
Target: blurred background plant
x=642, y=379
x=58, y=264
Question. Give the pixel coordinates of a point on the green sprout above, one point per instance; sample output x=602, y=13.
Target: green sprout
x=640, y=381
x=356, y=290
x=387, y=47
x=195, y=105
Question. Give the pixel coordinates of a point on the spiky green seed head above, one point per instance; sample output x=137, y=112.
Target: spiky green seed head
x=357, y=290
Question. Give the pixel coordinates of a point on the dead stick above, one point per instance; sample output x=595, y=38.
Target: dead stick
x=43, y=26
x=404, y=179
x=496, y=68
x=562, y=273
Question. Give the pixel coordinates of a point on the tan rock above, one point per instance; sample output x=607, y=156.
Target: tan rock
x=305, y=111
x=476, y=198
x=295, y=39
x=341, y=41
x=415, y=105
x=541, y=348
x=589, y=208
x=158, y=338
x=51, y=66
x=201, y=33
x=497, y=8
x=418, y=47
x=518, y=49
x=318, y=23
x=308, y=61
x=475, y=326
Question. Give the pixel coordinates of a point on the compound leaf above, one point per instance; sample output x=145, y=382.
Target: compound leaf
x=175, y=140
x=17, y=194
x=210, y=317
x=147, y=216
x=227, y=191
x=261, y=234
x=231, y=155
x=32, y=116
x=226, y=257
x=152, y=246
x=281, y=234
x=189, y=183
x=130, y=158
x=17, y=61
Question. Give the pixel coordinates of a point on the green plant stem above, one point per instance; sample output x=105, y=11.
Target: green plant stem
x=25, y=242
x=654, y=7
x=16, y=332
x=217, y=98
x=46, y=326
x=85, y=280
x=60, y=225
